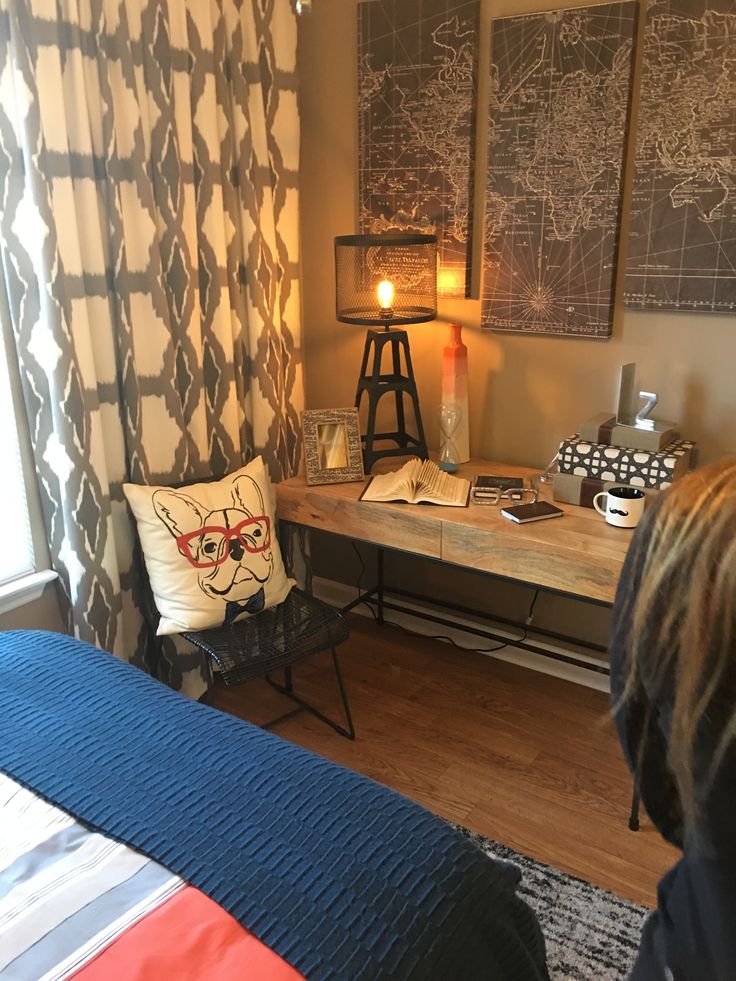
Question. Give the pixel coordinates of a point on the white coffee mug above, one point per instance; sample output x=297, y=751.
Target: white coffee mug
x=624, y=506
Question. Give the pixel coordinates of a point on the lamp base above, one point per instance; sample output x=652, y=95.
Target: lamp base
x=376, y=384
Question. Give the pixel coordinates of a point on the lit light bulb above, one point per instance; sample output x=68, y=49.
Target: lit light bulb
x=386, y=293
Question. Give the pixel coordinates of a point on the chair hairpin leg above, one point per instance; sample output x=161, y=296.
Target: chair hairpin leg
x=288, y=690
x=281, y=718
x=350, y=733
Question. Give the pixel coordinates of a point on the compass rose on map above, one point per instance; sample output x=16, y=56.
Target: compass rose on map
x=540, y=300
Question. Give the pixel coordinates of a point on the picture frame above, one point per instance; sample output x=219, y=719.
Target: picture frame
x=333, y=452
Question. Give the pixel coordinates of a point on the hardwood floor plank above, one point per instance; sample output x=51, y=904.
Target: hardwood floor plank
x=527, y=759
x=420, y=726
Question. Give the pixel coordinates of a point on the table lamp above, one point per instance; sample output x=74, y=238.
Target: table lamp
x=386, y=282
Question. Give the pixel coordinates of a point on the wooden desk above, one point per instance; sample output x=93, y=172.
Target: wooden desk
x=578, y=555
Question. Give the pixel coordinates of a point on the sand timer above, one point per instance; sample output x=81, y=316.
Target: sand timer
x=451, y=415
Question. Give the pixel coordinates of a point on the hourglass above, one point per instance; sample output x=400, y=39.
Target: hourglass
x=451, y=415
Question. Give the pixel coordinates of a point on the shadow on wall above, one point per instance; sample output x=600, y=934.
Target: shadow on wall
x=697, y=402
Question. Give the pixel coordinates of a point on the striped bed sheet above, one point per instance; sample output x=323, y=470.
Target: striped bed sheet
x=75, y=903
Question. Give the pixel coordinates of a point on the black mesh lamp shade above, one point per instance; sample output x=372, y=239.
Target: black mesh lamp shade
x=387, y=281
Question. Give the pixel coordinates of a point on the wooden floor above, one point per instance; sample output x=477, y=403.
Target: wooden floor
x=521, y=757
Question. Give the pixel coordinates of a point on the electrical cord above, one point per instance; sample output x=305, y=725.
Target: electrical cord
x=530, y=614
x=442, y=637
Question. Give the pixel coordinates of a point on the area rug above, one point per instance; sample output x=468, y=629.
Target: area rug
x=591, y=935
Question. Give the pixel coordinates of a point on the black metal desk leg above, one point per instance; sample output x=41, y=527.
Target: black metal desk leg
x=379, y=604
x=634, y=816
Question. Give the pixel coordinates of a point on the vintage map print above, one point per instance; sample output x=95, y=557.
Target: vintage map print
x=682, y=243
x=417, y=76
x=559, y=111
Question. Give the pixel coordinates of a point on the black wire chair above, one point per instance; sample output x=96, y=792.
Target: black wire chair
x=273, y=640
x=276, y=639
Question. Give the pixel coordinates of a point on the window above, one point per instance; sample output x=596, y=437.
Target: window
x=17, y=555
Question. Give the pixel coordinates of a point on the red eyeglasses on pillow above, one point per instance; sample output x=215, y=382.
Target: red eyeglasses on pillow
x=208, y=546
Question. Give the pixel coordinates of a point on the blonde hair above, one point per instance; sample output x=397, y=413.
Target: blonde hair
x=682, y=631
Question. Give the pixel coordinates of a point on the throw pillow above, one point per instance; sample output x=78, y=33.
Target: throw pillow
x=210, y=549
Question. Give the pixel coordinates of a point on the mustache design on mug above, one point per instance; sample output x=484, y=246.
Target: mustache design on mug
x=624, y=506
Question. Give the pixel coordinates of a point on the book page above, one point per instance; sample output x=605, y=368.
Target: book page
x=397, y=486
x=437, y=487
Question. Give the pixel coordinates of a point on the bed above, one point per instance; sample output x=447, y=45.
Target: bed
x=145, y=836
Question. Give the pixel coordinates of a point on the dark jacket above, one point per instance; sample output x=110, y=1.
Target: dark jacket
x=692, y=934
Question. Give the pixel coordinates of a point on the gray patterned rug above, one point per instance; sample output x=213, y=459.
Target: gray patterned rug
x=591, y=934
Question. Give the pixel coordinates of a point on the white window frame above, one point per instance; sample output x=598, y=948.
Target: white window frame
x=26, y=588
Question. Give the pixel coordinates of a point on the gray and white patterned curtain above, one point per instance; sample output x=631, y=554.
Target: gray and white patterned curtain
x=149, y=254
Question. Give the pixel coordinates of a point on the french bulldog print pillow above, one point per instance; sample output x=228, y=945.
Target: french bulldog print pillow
x=210, y=549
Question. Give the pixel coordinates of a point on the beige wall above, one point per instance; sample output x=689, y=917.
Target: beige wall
x=42, y=614
x=526, y=393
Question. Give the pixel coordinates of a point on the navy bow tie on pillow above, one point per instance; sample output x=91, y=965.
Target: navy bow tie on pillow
x=253, y=605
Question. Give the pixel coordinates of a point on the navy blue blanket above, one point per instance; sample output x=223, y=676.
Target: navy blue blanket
x=340, y=876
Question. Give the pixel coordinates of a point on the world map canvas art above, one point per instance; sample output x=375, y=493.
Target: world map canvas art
x=682, y=242
x=560, y=101
x=417, y=74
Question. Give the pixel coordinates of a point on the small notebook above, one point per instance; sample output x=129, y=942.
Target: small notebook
x=419, y=482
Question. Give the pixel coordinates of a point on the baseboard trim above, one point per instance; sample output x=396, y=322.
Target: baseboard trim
x=340, y=594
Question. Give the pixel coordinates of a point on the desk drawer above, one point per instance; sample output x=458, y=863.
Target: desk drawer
x=592, y=577
x=400, y=527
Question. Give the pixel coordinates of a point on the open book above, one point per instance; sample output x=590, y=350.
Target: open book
x=419, y=482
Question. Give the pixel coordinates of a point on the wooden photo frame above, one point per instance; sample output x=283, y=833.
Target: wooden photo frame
x=333, y=452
